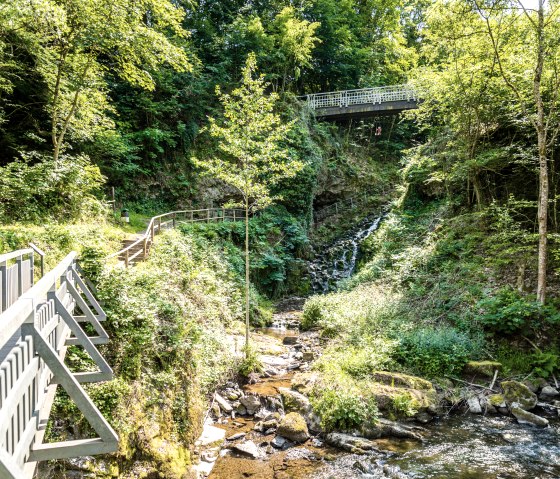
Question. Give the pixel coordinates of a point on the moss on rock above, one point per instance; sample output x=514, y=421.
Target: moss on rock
x=482, y=368
x=517, y=393
x=293, y=427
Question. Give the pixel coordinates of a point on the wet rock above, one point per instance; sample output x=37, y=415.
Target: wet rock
x=249, y=448
x=526, y=417
x=251, y=403
x=482, y=368
x=253, y=378
x=534, y=384
x=293, y=427
x=385, y=428
x=548, y=393
x=353, y=444
x=297, y=402
x=279, y=442
x=517, y=394
x=289, y=340
x=241, y=410
x=223, y=403
x=474, y=405
x=423, y=417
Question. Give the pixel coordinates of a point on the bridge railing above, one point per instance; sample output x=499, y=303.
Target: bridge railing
x=140, y=248
x=35, y=332
x=376, y=95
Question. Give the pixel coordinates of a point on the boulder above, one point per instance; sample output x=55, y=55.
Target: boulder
x=294, y=401
x=353, y=444
x=297, y=402
x=223, y=403
x=308, y=356
x=249, y=448
x=304, y=382
x=251, y=403
x=517, y=394
x=526, y=417
x=289, y=340
x=496, y=400
x=474, y=405
x=548, y=393
x=386, y=428
x=293, y=427
x=482, y=368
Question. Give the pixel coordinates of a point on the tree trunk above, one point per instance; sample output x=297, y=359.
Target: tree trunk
x=543, y=161
x=247, y=278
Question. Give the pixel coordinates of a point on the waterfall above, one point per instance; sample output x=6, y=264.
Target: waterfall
x=338, y=261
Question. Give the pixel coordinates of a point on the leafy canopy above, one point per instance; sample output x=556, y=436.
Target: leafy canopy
x=253, y=156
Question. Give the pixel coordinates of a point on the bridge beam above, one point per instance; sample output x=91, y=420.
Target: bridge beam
x=365, y=110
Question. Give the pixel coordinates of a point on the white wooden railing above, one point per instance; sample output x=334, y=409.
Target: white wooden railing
x=362, y=96
x=35, y=332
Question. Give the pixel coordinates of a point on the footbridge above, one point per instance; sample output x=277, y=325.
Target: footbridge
x=363, y=103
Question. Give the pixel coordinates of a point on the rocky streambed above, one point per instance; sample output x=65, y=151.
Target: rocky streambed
x=267, y=428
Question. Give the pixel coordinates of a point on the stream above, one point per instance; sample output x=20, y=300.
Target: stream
x=459, y=446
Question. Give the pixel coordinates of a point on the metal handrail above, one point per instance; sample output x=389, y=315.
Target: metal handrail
x=156, y=225
x=361, y=96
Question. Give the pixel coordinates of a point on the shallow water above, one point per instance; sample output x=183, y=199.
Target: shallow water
x=461, y=447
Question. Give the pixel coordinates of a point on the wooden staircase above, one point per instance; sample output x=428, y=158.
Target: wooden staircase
x=133, y=251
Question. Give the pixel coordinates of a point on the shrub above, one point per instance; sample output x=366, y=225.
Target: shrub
x=250, y=362
x=510, y=312
x=437, y=352
x=37, y=188
x=343, y=409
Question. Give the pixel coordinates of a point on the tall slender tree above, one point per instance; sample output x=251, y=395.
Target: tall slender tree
x=253, y=155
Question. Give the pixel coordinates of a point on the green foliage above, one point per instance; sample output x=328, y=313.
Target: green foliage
x=507, y=311
x=545, y=363
x=38, y=188
x=404, y=405
x=250, y=362
x=342, y=409
x=436, y=352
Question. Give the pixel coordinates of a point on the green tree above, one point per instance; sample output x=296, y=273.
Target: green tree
x=253, y=157
x=492, y=66
x=76, y=42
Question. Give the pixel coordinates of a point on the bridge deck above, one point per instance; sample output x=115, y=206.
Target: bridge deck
x=388, y=100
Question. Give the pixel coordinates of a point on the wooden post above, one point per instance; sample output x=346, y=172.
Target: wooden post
x=113, y=198
x=159, y=225
x=208, y=215
x=126, y=258
x=234, y=214
x=152, y=231
x=145, y=254
x=174, y=216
